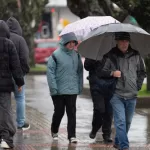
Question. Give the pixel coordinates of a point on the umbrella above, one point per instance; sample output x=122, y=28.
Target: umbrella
x=82, y=27
x=102, y=39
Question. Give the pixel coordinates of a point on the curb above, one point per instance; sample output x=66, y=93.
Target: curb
x=37, y=73
x=142, y=102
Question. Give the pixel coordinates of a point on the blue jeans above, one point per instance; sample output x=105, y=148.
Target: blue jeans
x=20, y=105
x=123, y=111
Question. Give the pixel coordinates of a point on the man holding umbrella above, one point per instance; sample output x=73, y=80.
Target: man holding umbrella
x=130, y=74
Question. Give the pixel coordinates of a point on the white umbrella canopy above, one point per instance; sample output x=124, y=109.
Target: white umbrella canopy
x=83, y=27
x=102, y=40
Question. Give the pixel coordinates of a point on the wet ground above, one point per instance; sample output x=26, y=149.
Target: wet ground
x=39, y=112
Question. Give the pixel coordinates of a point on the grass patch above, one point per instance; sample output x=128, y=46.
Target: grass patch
x=143, y=92
x=38, y=68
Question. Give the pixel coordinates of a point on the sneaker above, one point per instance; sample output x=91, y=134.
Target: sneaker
x=55, y=136
x=73, y=140
x=4, y=144
x=25, y=127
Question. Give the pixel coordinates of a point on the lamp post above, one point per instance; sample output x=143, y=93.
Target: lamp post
x=54, y=22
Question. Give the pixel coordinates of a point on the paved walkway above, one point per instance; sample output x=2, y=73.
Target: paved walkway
x=39, y=113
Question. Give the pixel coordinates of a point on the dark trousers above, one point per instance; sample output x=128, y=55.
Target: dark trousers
x=7, y=126
x=102, y=114
x=60, y=103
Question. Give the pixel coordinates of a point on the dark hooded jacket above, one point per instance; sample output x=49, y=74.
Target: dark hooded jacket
x=20, y=43
x=91, y=66
x=9, y=61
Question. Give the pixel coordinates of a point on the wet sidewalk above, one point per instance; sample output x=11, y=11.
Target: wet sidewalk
x=39, y=113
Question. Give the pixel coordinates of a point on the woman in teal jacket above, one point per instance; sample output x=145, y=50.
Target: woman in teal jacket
x=65, y=80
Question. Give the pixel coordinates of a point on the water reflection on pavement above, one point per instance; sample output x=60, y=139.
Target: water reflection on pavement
x=39, y=113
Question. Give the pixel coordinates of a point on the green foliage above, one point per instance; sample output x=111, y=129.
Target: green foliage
x=29, y=16
x=139, y=9
x=30, y=11
x=8, y=8
x=144, y=17
x=143, y=92
x=38, y=68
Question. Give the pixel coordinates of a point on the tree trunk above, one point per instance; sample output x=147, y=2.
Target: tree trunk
x=30, y=43
x=148, y=82
x=32, y=61
x=147, y=63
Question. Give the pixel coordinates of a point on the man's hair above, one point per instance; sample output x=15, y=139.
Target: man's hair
x=122, y=36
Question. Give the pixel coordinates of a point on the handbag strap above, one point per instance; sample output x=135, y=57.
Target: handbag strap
x=54, y=58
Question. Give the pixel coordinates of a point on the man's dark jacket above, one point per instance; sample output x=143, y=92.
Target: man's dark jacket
x=95, y=80
x=20, y=43
x=99, y=98
x=9, y=61
x=91, y=66
x=132, y=70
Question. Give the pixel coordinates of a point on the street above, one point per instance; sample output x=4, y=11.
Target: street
x=39, y=113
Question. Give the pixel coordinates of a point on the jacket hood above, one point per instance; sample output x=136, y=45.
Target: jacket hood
x=14, y=26
x=67, y=38
x=4, y=29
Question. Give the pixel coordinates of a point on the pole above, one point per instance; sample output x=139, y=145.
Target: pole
x=19, y=5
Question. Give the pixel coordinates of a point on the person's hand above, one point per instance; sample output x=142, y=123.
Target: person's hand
x=19, y=88
x=117, y=74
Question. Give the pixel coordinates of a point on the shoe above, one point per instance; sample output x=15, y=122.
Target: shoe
x=55, y=136
x=108, y=140
x=116, y=146
x=92, y=135
x=25, y=127
x=4, y=144
x=73, y=140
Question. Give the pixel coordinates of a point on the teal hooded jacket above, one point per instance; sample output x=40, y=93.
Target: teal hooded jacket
x=65, y=70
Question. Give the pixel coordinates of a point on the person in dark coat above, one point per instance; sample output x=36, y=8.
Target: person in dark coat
x=102, y=112
x=9, y=69
x=23, y=53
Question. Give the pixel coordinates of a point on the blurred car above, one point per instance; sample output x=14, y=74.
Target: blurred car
x=43, y=49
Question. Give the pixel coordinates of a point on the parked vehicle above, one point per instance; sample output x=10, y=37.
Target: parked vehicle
x=43, y=49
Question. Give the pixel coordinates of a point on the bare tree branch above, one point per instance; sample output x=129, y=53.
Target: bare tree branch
x=84, y=8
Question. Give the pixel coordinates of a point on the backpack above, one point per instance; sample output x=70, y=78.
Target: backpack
x=54, y=58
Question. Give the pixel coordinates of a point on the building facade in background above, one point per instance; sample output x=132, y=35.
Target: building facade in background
x=56, y=16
